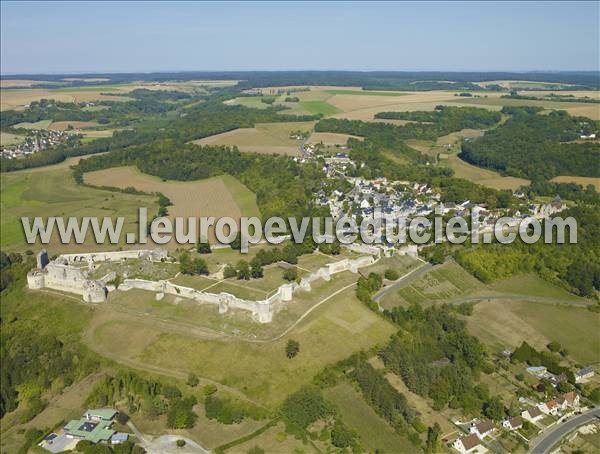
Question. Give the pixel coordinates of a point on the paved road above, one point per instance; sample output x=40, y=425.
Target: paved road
x=547, y=440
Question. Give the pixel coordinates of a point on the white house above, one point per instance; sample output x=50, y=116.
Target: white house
x=533, y=414
x=469, y=445
x=584, y=374
x=482, y=429
x=513, y=423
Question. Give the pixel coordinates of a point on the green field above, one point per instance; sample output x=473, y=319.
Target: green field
x=318, y=107
x=375, y=433
x=53, y=192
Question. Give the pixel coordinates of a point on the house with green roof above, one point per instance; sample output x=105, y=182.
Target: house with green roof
x=94, y=426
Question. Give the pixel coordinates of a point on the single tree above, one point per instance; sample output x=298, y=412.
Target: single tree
x=229, y=272
x=290, y=274
x=203, y=247
x=243, y=270
x=193, y=380
x=292, y=348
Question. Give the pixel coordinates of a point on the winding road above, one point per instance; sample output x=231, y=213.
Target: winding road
x=544, y=443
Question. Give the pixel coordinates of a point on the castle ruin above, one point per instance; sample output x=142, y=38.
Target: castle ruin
x=70, y=273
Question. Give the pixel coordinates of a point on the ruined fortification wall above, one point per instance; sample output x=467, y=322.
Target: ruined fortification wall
x=62, y=274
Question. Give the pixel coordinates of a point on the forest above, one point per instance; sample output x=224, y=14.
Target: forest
x=575, y=265
x=535, y=146
x=408, y=80
x=445, y=119
x=437, y=358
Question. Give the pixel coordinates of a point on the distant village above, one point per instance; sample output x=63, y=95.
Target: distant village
x=39, y=140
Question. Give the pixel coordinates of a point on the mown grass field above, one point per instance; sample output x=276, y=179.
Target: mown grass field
x=375, y=433
x=211, y=197
x=53, y=192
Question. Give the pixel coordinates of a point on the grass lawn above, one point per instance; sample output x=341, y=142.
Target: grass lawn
x=331, y=332
x=375, y=433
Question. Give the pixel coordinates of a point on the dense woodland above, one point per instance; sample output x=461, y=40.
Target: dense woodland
x=534, y=146
x=34, y=357
x=576, y=265
x=405, y=80
x=444, y=120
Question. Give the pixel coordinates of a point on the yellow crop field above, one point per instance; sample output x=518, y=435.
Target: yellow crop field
x=331, y=138
x=17, y=99
x=584, y=181
x=364, y=107
x=218, y=197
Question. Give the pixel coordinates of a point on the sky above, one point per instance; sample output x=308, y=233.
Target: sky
x=76, y=37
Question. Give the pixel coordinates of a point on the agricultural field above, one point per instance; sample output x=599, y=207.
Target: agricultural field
x=270, y=138
x=7, y=139
x=42, y=124
x=17, y=98
x=331, y=139
x=583, y=181
x=441, y=284
x=260, y=370
x=20, y=83
x=525, y=84
x=482, y=176
x=189, y=198
x=52, y=191
x=576, y=109
x=65, y=125
x=505, y=324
